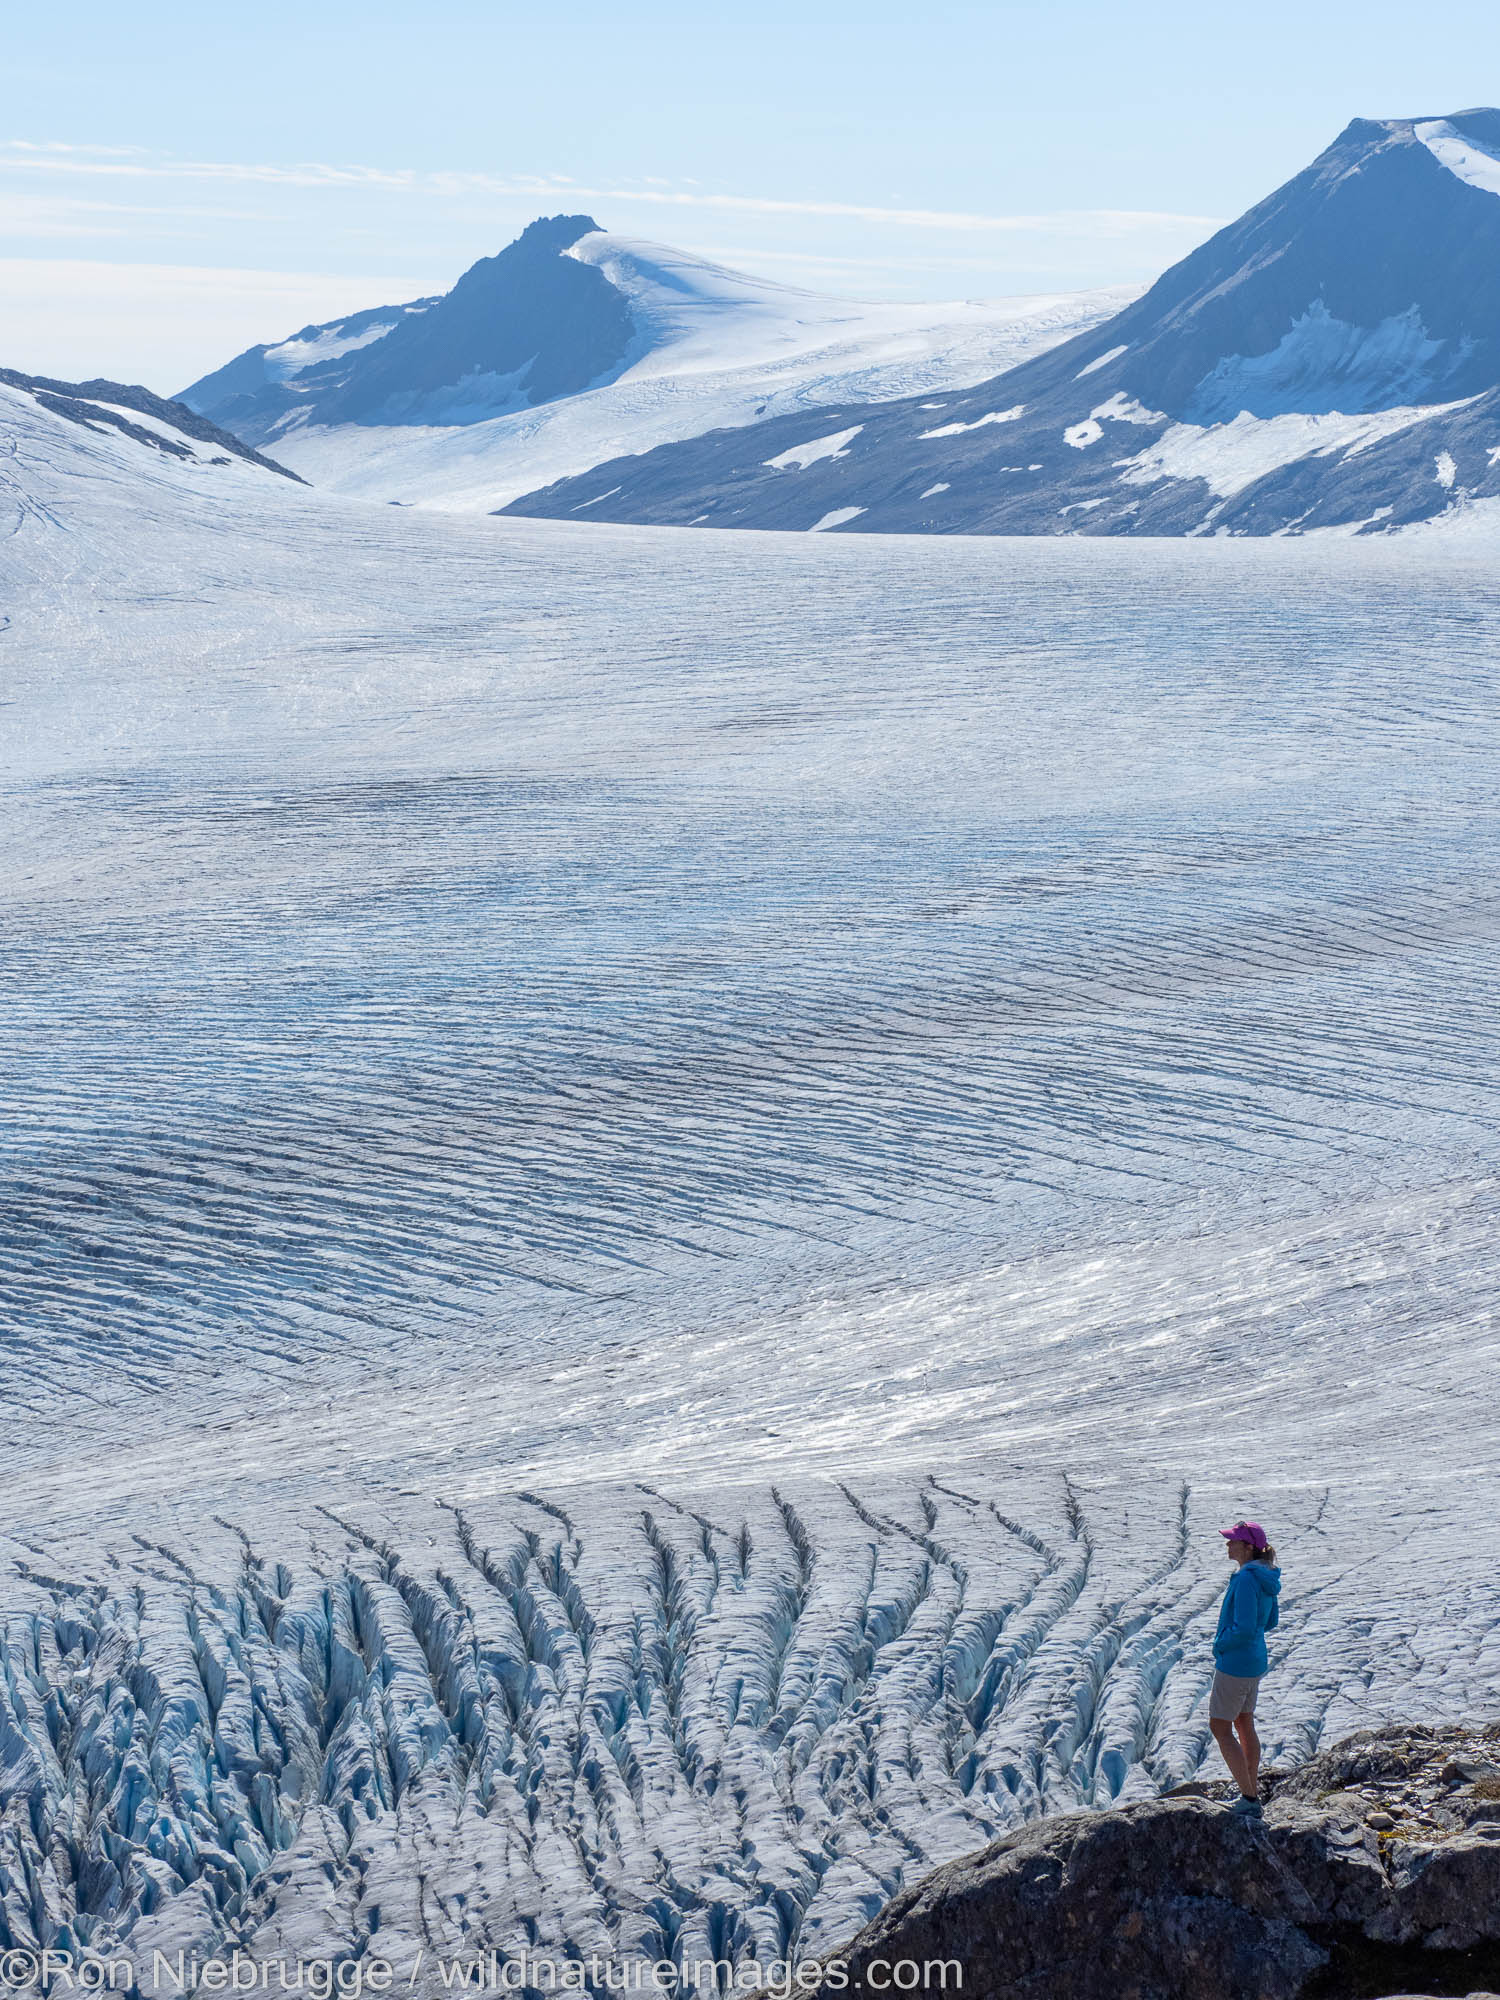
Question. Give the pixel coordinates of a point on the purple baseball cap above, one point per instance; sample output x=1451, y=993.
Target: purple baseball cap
x=1246, y=1531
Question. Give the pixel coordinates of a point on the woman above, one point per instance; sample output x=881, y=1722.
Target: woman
x=1249, y=1613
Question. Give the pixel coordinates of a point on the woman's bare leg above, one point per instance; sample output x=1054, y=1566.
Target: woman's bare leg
x=1249, y=1748
x=1233, y=1755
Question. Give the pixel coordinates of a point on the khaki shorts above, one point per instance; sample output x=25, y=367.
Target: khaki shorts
x=1232, y=1695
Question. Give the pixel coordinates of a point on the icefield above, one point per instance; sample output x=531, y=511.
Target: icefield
x=659, y=1187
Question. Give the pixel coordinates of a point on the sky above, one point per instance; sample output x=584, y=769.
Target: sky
x=178, y=182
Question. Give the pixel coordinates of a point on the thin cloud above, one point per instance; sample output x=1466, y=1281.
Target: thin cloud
x=1093, y=222
x=53, y=215
x=62, y=146
x=45, y=214
x=308, y=175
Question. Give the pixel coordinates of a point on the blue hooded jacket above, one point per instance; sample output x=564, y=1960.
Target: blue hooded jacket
x=1249, y=1613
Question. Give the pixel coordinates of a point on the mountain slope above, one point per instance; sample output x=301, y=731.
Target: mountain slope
x=576, y=345
x=519, y=328
x=260, y=388
x=1330, y=359
x=125, y=410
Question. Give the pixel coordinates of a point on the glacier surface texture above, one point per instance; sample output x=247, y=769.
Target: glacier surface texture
x=658, y=1188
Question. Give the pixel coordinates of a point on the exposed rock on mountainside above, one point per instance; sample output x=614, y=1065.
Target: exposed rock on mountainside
x=520, y=328
x=260, y=388
x=1375, y=1868
x=1330, y=359
x=575, y=345
x=171, y=428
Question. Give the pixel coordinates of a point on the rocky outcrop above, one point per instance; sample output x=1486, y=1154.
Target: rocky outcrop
x=101, y=405
x=1375, y=1871
x=521, y=328
x=1330, y=359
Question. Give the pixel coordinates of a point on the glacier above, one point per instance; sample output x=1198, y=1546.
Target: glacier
x=658, y=1188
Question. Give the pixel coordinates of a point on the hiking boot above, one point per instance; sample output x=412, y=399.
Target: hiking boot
x=1250, y=1807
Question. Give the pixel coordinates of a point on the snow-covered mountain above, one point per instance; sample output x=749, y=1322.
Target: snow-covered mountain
x=521, y=328
x=142, y=430
x=1332, y=359
x=575, y=345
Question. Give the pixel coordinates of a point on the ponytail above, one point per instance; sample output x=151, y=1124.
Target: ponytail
x=1265, y=1555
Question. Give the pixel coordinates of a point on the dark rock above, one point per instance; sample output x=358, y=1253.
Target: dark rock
x=1182, y=1899
x=520, y=328
x=98, y=405
x=1368, y=283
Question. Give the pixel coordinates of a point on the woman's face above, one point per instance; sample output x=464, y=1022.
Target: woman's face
x=1238, y=1552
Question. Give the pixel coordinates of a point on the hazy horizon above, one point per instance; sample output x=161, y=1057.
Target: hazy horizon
x=178, y=191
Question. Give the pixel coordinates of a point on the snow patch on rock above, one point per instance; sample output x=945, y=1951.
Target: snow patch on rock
x=800, y=456
x=1230, y=457
x=1101, y=361
x=991, y=417
x=1320, y=366
x=292, y=357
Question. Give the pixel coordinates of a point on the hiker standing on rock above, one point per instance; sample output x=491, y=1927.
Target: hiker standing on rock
x=1249, y=1612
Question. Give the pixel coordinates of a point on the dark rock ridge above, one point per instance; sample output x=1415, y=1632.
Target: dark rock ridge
x=1375, y=1871
x=98, y=405
x=1301, y=369
x=521, y=328
x=257, y=389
